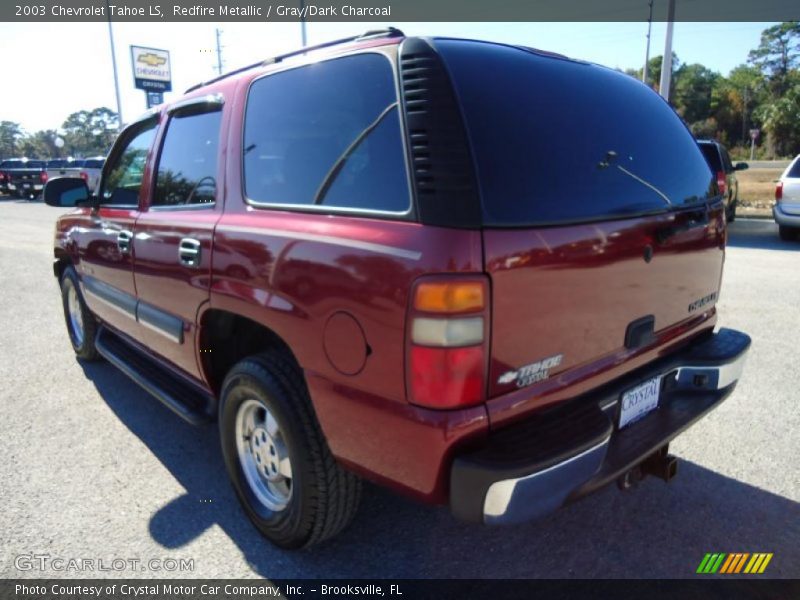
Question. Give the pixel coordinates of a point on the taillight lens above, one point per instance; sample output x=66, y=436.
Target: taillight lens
x=43, y=176
x=722, y=182
x=778, y=191
x=84, y=176
x=448, y=342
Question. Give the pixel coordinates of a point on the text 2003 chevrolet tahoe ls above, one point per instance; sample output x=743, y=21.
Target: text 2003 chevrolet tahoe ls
x=476, y=273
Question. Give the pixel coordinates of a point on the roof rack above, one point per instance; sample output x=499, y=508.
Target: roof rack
x=389, y=32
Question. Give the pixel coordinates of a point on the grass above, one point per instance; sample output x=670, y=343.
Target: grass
x=757, y=187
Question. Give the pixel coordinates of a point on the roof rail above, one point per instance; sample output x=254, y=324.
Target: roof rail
x=389, y=32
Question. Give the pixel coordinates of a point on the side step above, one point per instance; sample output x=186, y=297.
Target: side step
x=184, y=399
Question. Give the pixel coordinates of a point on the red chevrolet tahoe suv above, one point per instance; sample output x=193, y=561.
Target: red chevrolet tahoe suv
x=479, y=274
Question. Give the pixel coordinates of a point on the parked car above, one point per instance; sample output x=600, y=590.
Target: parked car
x=87, y=169
x=25, y=177
x=479, y=274
x=787, y=201
x=725, y=171
x=5, y=180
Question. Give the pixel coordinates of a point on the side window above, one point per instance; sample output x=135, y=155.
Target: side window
x=187, y=166
x=327, y=135
x=123, y=178
x=726, y=160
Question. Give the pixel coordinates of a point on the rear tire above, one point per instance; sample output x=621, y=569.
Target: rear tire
x=787, y=234
x=81, y=324
x=267, y=420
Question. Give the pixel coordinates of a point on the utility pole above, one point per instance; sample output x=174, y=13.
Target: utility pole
x=666, y=63
x=114, y=67
x=218, y=32
x=303, y=23
x=647, y=51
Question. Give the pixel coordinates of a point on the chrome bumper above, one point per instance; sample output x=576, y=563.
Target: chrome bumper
x=695, y=382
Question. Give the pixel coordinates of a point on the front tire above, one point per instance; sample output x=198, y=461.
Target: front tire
x=281, y=468
x=81, y=324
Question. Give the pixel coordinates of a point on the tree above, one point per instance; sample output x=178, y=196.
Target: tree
x=777, y=53
x=692, y=92
x=90, y=132
x=781, y=119
x=10, y=133
x=41, y=144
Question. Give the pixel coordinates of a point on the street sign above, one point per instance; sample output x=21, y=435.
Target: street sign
x=151, y=69
x=754, y=134
x=154, y=99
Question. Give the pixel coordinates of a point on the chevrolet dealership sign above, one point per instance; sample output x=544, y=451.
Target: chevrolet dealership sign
x=151, y=69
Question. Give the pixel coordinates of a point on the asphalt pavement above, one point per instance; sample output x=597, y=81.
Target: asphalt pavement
x=91, y=467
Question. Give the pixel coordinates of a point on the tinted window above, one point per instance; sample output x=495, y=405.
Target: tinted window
x=712, y=156
x=187, y=167
x=56, y=164
x=795, y=170
x=124, y=178
x=327, y=134
x=726, y=159
x=94, y=163
x=558, y=141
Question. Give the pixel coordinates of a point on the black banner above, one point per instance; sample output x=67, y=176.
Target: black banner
x=393, y=11
x=401, y=589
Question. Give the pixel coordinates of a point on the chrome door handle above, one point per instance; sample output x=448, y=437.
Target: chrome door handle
x=189, y=252
x=124, y=241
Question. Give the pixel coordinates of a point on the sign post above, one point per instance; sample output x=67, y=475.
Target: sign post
x=151, y=73
x=753, y=137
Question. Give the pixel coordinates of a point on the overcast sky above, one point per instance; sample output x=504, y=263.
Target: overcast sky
x=50, y=70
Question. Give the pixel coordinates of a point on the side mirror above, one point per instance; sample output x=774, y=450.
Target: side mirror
x=66, y=192
x=741, y=166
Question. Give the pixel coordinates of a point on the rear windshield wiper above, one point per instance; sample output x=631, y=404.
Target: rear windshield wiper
x=611, y=156
x=340, y=162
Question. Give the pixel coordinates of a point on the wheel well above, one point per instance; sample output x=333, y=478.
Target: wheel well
x=226, y=338
x=60, y=265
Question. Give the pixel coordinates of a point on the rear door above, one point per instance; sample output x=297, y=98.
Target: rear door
x=598, y=236
x=173, y=235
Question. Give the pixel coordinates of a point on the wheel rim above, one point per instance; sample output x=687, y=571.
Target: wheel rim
x=263, y=455
x=75, y=314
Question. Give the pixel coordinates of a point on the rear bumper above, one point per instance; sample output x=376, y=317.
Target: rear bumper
x=785, y=219
x=530, y=469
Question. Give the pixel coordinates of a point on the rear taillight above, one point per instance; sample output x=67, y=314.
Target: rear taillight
x=778, y=191
x=448, y=341
x=84, y=176
x=2, y=176
x=722, y=183
x=43, y=177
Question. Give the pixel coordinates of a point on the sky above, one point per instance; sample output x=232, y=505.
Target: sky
x=50, y=70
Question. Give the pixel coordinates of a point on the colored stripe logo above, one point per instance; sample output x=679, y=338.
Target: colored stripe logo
x=736, y=562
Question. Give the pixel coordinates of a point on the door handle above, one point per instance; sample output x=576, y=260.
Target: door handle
x=189, y=252
x=124, y=241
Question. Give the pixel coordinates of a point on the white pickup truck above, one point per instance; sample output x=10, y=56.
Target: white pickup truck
x=88, y=169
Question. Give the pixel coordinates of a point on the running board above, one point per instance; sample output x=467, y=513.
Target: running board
x=184, y=399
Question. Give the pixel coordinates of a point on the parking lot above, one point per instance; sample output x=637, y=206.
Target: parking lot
x=92, y=467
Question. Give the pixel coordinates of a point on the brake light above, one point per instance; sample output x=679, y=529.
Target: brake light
x=448, y=342
x=722, y=183
x=85, y=176
x=43, y=176
x=778, y=191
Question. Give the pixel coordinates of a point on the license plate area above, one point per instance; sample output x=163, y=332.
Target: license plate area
x=638, y=401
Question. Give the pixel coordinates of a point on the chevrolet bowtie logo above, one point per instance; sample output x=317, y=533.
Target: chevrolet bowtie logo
x=151, y=60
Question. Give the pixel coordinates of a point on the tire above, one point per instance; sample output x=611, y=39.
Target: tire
x=319, y=498
x=787, y=234
x=81, y=324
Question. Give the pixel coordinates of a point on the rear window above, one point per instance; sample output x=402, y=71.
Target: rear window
x=94, y=163
x=712, y=156
x=795, y=170
x=558, y=141
x=56, y=164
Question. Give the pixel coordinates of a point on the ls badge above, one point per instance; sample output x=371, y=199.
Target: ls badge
x=538, y=371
